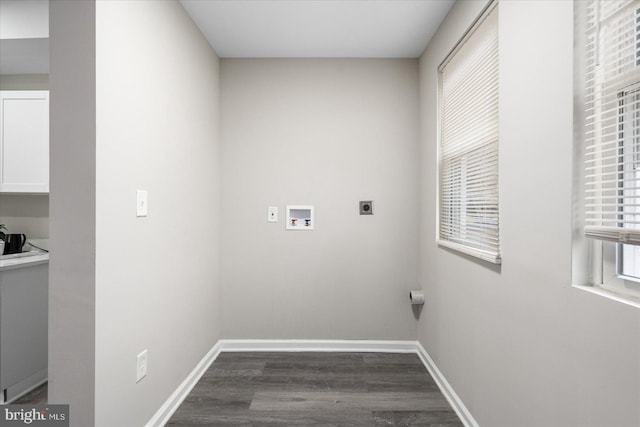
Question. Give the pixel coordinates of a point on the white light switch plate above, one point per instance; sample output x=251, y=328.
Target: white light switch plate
x=273, y=214
x=141, y=203
x=141, y=366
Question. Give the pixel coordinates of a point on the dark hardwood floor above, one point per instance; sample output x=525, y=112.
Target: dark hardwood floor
x=37, y=396
x=310, y=389
x=319, y=389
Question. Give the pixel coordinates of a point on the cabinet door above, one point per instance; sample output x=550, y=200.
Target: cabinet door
x=24, y=141
x=24, y=298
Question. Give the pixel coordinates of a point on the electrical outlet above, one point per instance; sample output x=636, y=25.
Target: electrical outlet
x=141, y=366
x=366, y=207
x=141, y=203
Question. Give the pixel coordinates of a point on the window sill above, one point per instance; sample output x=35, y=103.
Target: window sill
x=483, y=255
x=612, y=295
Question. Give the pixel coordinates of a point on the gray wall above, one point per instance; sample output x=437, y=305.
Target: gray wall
x=147, y=118
x=519, y=345
x=24, y=81
x=72, y=345
x=157, y=278
x=326, y=133
x=27, y=214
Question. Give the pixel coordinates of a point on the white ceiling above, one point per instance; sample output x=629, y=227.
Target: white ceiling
x=257, y=29
x=318, y=28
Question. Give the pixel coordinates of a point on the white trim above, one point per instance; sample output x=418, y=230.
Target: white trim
x=483, y=255
x=162, y=416
x=320, y=345
x=446, y=389
x=40, y=377
x=615, y=296
x=474, y=26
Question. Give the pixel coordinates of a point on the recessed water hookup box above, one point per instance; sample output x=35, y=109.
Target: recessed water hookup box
x=300, y=218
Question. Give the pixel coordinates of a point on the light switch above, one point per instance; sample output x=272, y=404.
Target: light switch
x=273, y=214
x=141, y=203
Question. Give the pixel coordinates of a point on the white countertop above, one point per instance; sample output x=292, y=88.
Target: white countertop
x=25, y=259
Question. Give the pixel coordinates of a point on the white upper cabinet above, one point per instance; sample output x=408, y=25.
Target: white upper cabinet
x=24, y=141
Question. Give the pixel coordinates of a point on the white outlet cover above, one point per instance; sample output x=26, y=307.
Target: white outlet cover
x=141, y=203
x=141, y=366
x=272, y=215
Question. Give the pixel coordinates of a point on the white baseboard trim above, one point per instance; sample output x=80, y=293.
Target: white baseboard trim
x=368, y=346
x=26, y=387
x=162, y=416
x=446, y=389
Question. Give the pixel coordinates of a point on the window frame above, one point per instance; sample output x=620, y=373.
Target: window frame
x=629, y=137
x=474, y=228
x=620, y=269
x=595, y=263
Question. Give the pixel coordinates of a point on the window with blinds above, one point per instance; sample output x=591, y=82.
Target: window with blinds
x=612, y=122
x=468, y=216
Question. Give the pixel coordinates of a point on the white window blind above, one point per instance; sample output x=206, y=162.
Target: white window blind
x=612, y=123
x=468, y=217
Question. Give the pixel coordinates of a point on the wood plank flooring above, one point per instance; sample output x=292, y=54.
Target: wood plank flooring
x=319, y=389
x=37, y=396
